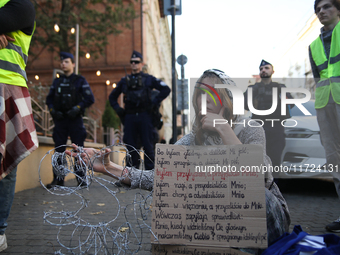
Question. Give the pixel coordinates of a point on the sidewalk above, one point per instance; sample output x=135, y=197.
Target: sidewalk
x=312, y=204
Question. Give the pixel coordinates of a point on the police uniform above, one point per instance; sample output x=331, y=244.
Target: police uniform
x=67, y=100
x=262, y=100
x=136, y=117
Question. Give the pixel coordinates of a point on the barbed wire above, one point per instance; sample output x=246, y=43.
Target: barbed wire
x=120, y=232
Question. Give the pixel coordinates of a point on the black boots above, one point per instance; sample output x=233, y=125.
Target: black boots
x=54, y=183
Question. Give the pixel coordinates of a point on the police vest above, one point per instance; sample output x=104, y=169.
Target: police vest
x=66, y=96
x=263, y=100
x=137, y=96
x=13, y=58
x=329, y=69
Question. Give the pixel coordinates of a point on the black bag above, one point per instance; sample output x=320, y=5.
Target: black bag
x=157, y=121
x=156, y=116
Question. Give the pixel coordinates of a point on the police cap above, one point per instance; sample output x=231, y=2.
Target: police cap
x=136, y=54
x=264, y=62
x=64, y=55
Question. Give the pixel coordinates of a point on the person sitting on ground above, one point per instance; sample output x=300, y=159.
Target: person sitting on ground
x=204, y=133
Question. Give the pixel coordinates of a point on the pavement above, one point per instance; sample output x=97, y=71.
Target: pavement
x=312, y=204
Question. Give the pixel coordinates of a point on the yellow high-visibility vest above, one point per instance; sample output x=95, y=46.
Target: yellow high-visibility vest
x=329, y=69
x=13, y=58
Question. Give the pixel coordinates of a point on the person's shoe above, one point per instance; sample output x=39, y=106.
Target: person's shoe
x=54, y=183
x=334, y=226
x=81, y=182
x=118, y=184
x=3, y=242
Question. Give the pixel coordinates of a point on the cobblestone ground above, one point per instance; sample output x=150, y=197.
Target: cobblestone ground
x=312, y=204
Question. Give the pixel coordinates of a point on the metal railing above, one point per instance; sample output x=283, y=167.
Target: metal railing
x=112, y=136
x=44, y=122
x=91, y=128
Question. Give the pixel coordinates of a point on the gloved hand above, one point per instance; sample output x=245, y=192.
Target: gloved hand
x=153, y=109
x=74, y=112
x=56, y=114
x=121, y=114
x=156, y=117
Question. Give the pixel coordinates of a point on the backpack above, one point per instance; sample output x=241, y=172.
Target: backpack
x=300, y=242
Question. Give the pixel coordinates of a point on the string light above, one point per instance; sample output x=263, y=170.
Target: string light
x=87, y=55
x=114, y=85
x=107, y=82
x=36, y=77
x=98, y=73
x=56, y=28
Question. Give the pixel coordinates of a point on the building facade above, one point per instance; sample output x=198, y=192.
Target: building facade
x=149, y=34
x=294, y=66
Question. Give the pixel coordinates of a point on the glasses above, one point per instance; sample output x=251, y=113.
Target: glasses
x=217, y=72
x=134, y=62
x=225, y=79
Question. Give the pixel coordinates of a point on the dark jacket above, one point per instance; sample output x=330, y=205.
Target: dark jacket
x=83, y=93
x=262, y=100
x=139, y=98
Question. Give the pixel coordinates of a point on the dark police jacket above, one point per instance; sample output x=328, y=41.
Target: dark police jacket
x=67, y=92
x=263, y=100
x=137, y=97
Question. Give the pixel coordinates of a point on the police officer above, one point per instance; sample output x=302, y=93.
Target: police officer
x=137, y=115
x=67, y=100
x=263, y=100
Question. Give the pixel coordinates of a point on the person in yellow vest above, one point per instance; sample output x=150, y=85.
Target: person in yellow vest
x=324, y=55
x=18, y=137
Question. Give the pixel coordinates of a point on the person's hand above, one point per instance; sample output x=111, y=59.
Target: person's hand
x=56, y=114
x=222, y=127
x=74, y=112
x=121, y=114
x=4, y=39
x=99, y=160
x=208, y=120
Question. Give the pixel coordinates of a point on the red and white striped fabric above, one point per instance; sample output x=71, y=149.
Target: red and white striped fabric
x=18, y=137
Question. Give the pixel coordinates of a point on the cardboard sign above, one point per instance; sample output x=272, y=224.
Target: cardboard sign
x=175, y=250
x=209, y=196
